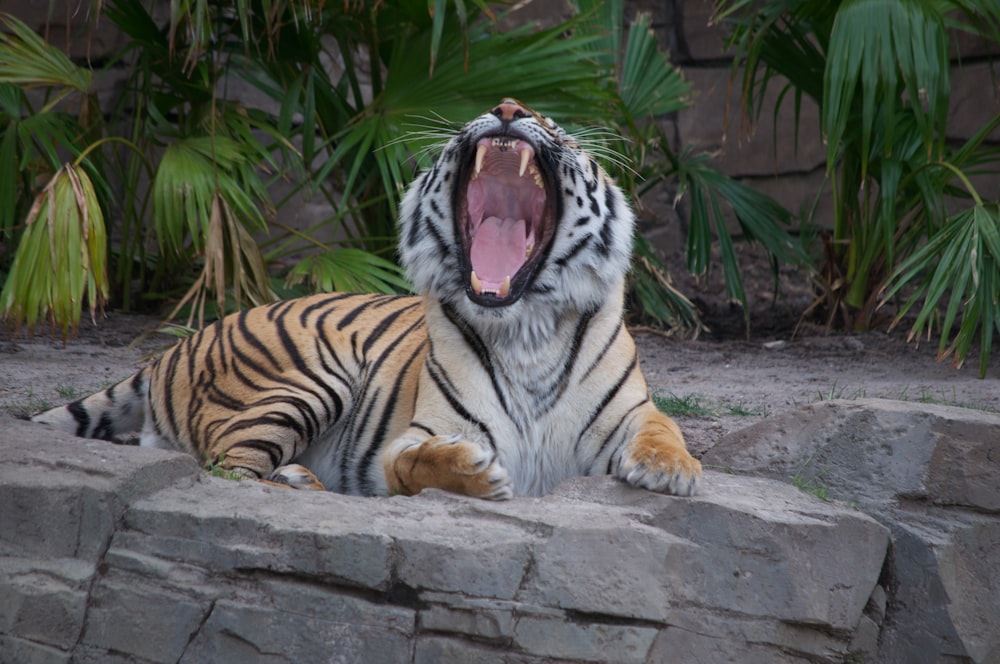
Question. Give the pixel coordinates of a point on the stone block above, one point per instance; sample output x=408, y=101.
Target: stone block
x=975, y=100
x=63, y=498
x=701, y=37
x=631, y=570
x=927, y=472
x=229, y=525
x=462, y=555
x=44, y=600
x=486, y=620
x=28, y=652
x=435, y=649
x=714, y=124
x=127, y=615
x=875, y=451
x=773, y=572
x=238, y=633
x=584, y=641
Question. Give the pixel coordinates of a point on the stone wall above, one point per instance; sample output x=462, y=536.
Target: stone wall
x=789, y=167
x=125, y=554
x=131, y=553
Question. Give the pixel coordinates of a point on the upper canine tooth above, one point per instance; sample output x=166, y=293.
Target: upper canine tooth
x=504, y=287
x=477, y=284
x=525, y=158
x=480, y=158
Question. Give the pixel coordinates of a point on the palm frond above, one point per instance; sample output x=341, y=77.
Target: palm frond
x=881, y=47
x=959, y=266
x=61, y=259
x=350, y=270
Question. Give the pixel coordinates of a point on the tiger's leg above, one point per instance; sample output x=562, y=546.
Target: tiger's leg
x=657, y=459
x=444, y=462
x=260, y=444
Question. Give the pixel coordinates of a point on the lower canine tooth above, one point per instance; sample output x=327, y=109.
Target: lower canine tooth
x=477, y=285
x=505, y=287
x=525, y=158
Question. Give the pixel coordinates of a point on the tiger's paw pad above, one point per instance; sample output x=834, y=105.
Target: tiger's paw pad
x=666, y=471
x=294, y=476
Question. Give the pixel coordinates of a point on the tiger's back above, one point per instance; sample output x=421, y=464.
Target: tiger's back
x=334, y=374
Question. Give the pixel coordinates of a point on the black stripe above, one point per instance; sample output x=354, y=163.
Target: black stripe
x=479, y=348
x=423, y=427
x=251, y=338
x=270, y=448
x=604, y=351
x=292, y=350
x=609, y=223
x=457, y=406
x=82, y=417
x=279, y=419
x=442, y=246
x=613, y=433
x=354, y=435
x=577, y=248
x=356, y=422
x=606, y=400
x=169, y=370
x=393, y=402
x=321, y=304
x=351, y=315
x=384, y=326
x=574, y=351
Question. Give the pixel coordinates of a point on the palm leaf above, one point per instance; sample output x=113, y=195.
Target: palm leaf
x=879, y=48
x=350, y=270
x=26, y=60
x=61, y=258
x=960, y=265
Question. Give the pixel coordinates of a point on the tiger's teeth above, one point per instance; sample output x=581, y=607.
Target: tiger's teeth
x=480, y=158
x=505, y=287
x=525, y=158
x=528, y=250
x=477, y=284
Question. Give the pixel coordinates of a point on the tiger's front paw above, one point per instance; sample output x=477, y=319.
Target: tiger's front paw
x=449, y=463
x=657, y=459
x=666, y=471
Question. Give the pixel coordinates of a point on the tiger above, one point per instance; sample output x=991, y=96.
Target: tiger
x=508, y=371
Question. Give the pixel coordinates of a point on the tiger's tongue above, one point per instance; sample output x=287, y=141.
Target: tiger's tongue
x=498, y=250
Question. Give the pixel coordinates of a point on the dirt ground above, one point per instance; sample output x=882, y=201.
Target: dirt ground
x=721, y=382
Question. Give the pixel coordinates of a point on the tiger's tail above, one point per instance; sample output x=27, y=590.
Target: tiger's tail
x=112, y=414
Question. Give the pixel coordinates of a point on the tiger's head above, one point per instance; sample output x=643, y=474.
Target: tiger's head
x=514, y=218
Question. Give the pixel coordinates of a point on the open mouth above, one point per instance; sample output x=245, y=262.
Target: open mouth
x=506, y=219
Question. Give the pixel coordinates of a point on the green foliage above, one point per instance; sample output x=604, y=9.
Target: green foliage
x=649, y=86
x=879, y=71
x=694, y=405
x=62, y=261
x=340, y=86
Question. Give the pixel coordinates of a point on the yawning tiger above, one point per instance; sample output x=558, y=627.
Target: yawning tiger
x=510, y=372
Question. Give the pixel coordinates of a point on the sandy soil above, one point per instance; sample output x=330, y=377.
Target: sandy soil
x=716, y=386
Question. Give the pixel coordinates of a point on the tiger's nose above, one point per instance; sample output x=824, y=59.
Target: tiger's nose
x=511, y=109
